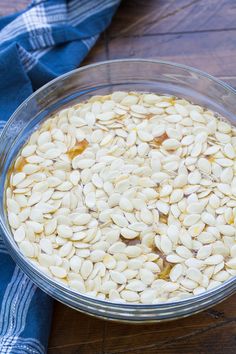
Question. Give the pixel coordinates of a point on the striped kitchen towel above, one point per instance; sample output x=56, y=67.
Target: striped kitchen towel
x=48, y=39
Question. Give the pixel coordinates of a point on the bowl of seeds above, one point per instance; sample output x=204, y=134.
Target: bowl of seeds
x=119, y=190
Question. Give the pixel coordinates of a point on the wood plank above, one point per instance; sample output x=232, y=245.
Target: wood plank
x=72, y=331
x=213, y=52
x=206, y=332
x=201, y=341
x=9, y=7
x=141, y=17
x=99, y=52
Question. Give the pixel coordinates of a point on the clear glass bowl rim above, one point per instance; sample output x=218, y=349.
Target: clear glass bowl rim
x=20, y=259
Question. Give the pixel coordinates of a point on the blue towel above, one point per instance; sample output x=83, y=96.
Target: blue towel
x=48, y=39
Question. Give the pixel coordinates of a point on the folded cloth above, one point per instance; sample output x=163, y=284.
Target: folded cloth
x=48, y=39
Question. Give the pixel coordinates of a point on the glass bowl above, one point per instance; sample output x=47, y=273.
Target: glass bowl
x=99, y=79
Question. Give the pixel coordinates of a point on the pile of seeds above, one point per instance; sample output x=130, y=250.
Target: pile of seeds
x=129, y=197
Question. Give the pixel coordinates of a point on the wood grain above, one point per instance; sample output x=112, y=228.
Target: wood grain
x=211, y=52
x=200, y=33
x=142, y=18
x=212, y=331
x=9, y=7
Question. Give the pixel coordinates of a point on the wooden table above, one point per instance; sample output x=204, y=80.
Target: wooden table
x=200, y=33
